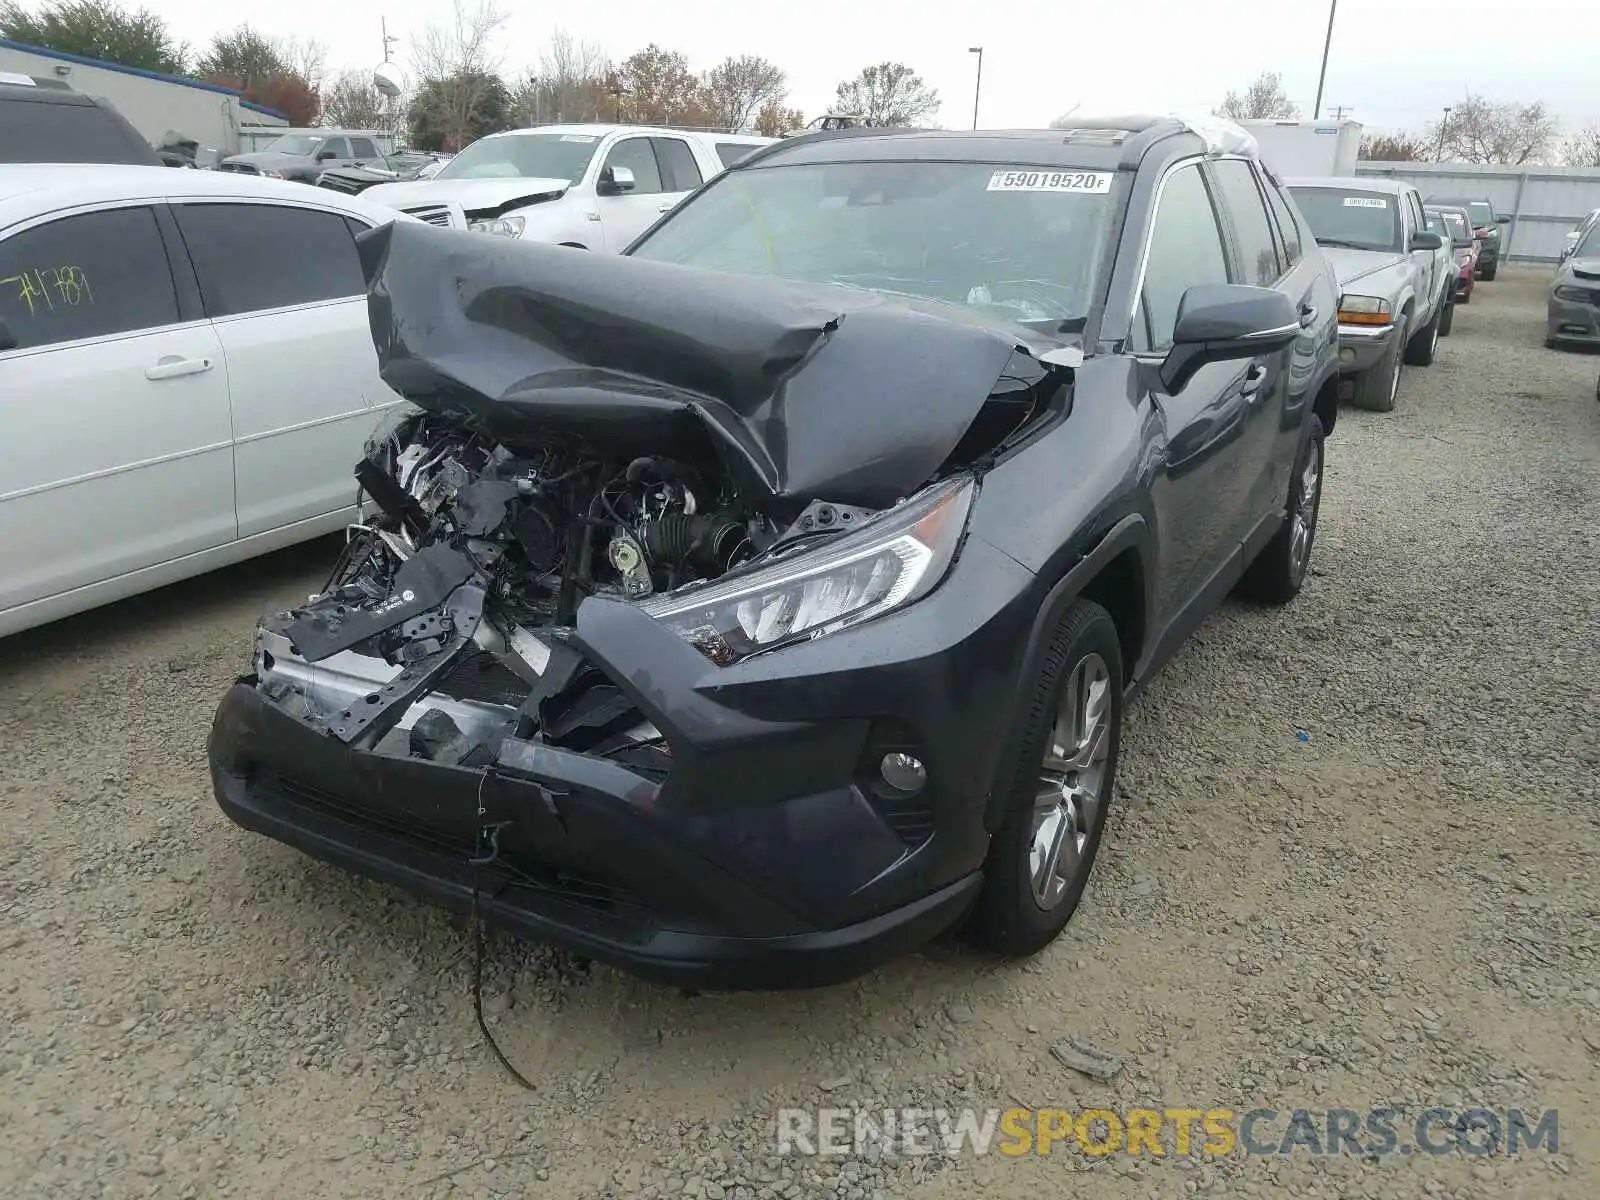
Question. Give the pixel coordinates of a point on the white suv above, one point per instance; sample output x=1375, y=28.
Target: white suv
x=596, y=187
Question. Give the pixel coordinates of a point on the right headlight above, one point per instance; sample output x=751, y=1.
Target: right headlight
x=1571, y=293
x=892, y=561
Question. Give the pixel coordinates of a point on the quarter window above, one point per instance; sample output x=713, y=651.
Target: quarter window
x=251, y=257
x=732, y=152
x=1258, y=253
x=636, y=155
x=87, y=276
x=363, y=148
x=678, y=165
x=1185, y=250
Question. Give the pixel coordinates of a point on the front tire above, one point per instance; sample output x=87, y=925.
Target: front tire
x=1059, y=788
x=1377, y=386
x=1422, y=346
x=1488, y=273
x=1279, y=571
x=1447, y=320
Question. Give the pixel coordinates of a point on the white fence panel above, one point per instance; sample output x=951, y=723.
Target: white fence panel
x=1544, y=202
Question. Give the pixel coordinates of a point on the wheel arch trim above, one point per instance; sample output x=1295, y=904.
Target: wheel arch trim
x=1132, y=532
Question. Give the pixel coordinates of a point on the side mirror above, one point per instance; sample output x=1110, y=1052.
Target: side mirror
x=8, y=340
x=614, y=180
x=1426, y=239
x=1219, y=322
x=324, y=155
x=1503, y=219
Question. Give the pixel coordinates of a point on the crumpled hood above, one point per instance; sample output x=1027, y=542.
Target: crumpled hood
x=1351, y=265
x=804, y=390
x=474, y=195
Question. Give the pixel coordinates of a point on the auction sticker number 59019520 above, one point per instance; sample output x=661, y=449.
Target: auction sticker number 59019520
x=1092, y=182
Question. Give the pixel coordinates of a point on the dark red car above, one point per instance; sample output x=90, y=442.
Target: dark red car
x=1467, y=247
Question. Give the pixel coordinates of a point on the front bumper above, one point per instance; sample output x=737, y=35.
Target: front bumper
x=1361, y=347
x=1573, y=321
x=764, y=858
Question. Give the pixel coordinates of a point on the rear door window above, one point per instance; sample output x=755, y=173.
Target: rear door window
x=1258, y=249
x=363, y=148
x=679, y=171
x=41, y=131
x=91, y=275
x=252, y=257
x=1288, y=227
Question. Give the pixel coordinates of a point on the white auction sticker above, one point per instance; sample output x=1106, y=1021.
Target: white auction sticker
x=583, y=138
x=1365, y=202
x=1091, y=182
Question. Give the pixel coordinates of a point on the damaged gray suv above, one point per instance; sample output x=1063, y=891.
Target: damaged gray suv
x=754, y=606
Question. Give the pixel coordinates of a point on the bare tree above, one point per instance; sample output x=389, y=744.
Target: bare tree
x=569, y=82
x=1582, y=149
x=889, y=94
x=736, y=89
x=304, y=57
x=1478, y=130
x=1394, y=147
x=1263, y=100
x=457, y=69
x=350, y=101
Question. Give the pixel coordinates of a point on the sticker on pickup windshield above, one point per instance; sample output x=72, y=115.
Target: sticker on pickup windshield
x=1365, y=202
x=584, y=138
x=1091, y=182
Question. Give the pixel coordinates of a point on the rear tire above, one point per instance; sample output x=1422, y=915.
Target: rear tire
x=1279, y=571
x=1041, y=856
x=1376, y=387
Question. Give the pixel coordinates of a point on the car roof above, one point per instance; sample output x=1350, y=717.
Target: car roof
x=43, y=91
x=32, y=189
x=1365, y=183
x=1105, y=144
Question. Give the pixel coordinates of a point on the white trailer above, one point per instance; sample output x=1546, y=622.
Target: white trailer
x=1308, y=148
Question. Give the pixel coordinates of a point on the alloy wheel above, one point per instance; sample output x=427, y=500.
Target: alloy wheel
x=1071, y=781
x=1305, y=510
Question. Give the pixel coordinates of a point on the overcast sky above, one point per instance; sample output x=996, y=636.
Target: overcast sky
x=1393, y=65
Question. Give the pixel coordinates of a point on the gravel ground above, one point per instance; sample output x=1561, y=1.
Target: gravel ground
x=1398, y=908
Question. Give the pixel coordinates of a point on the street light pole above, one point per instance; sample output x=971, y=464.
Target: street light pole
x=1322, y=75
x=1438, y=155
x=977, y=86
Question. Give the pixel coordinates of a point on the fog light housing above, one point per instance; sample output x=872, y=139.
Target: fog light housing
x=903, y=772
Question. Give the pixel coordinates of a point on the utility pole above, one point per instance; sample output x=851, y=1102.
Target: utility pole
x=977, y=86
x=1339, y=111
x=1443, y=125
x=387, y=39
x=1322, y=75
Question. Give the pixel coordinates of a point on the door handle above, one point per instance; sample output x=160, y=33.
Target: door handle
x=1253, y=379
x=170, y=366
x=1308, y=315
x=665, y=208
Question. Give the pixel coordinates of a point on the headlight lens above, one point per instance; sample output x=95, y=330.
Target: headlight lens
x=273, y=174
x=1572, y=293
x=1364, y=310
x=500, y=226
x=892, y=561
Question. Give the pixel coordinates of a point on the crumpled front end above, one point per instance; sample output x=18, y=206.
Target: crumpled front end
x=630, y=662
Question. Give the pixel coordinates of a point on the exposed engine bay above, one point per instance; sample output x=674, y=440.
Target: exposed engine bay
x=471, y=541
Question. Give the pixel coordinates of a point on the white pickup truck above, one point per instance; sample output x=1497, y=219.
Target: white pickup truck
x=596, y=187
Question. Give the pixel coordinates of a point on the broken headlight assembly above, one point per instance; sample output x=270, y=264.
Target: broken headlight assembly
x=890, y=562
